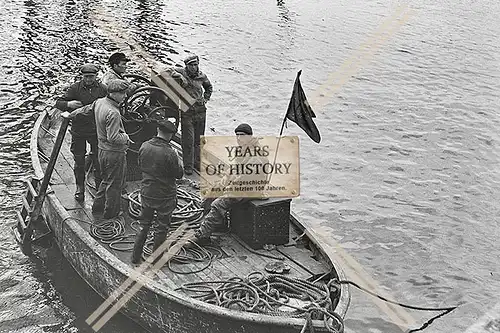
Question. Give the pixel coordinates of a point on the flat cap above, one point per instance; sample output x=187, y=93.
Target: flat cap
x=117, y=57
x=166, y=126
x=244, y=128
x=192, y=59
x=118, y=86
x=89, y=69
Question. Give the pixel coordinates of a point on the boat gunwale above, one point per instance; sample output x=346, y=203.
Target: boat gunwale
x=157, y=287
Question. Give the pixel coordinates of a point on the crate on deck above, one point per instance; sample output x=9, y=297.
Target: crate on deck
x=259, y=222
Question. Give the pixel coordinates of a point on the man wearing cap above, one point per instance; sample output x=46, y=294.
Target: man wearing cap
x=160, y=166
x=113, y=143
x=81, y=93
x=193, y=120
x=219, y=207
x=118, y=63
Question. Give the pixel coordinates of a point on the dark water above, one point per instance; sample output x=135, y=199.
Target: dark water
x=406, y=178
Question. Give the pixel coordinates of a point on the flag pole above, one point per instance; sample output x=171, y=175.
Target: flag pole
x=283, y=124
x=277, y=146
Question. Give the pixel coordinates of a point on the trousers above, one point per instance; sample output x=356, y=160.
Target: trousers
x=163, y=211
x=217, y=214
x=79, y=150
x=108, y=198
x=192, y=127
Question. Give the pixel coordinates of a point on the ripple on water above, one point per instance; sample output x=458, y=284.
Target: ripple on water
x=406, y=174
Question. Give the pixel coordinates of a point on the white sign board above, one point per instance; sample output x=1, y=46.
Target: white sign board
x=247, y=166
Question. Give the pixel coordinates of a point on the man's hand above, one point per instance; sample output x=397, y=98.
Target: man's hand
x=74, y=105
x=66, y=114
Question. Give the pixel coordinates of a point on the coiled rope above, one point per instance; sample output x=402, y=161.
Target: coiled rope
x=269, y=294
x=188, y=210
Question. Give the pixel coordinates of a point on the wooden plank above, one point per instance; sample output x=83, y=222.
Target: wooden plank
x=66, y=196
x=259, y=262
x=303, y=256
x=254, y=260
x=164, y=279
x=242, y=262
x=219, y=270
x=204, y=275
x=62, y=167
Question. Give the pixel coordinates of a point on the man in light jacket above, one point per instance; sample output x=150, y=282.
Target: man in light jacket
x=113, y=142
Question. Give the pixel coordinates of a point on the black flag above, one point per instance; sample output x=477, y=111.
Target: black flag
x=300, y=112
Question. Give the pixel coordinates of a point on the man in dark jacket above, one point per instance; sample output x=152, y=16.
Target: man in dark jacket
x=160, y=166
x=83, y=130
x=193, y=120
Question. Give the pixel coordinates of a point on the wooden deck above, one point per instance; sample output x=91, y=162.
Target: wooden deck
x=237, y=260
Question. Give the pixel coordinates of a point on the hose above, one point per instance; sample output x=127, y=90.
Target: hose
x=445, y=310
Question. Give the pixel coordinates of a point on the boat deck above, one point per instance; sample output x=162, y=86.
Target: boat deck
x=236, y=260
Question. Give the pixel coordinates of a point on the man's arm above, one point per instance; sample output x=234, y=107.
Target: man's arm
x=113, y=129
x=179, y=75
x=69, y=101
x=179, y=172
x=207, y=86
x=85, y=110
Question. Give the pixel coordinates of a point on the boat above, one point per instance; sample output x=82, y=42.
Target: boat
x=168, y=302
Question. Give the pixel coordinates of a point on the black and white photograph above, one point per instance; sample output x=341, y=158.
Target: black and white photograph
x=249, y=166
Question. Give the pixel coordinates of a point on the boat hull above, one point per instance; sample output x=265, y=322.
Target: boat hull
x=155, y=307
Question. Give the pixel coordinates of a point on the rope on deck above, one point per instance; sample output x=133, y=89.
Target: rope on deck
x=272, y=294
x=189, y=210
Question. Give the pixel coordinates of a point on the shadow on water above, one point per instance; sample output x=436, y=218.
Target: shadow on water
x=61, y=282
x=42, y=48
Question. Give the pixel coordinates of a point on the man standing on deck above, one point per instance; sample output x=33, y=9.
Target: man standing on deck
x=113, y=143
x=160, y=166
x=221, y=206
x=118, y=63
x=193, y=120
x=83, y=130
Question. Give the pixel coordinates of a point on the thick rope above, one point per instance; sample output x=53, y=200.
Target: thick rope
x=269, y=294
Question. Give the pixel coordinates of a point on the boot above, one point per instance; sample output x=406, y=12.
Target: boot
x=139, y=245
x=79, y=171
x=159, y=238
x=80, y=192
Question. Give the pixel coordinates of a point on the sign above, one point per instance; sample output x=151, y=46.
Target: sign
x=247, y=166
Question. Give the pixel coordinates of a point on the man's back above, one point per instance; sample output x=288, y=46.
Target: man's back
x=160, y=167
x=110, y=131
